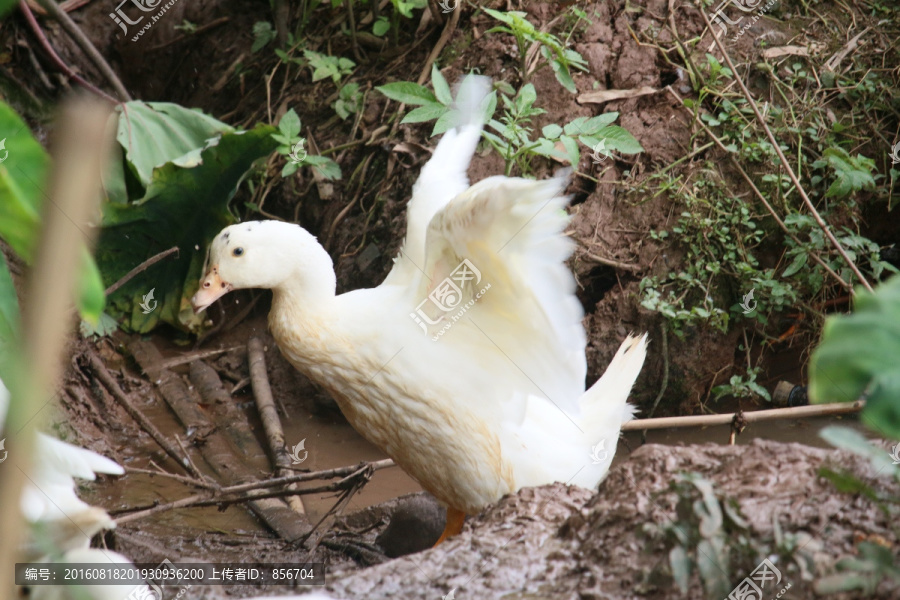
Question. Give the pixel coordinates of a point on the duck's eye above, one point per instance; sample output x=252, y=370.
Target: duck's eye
x=237, y=251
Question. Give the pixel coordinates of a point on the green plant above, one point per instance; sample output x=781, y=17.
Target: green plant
x=263, y=33
x=718, y=233
x=704, y=535
x=349, y=100
x=851, y=174
x=430, y=106
x=187, y=27
x=742, y=387
x=324, y=66
x=555, y=54
x=512, y=130
x=402, y=8
x=290, y=144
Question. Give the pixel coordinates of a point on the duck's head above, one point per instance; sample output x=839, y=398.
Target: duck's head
x=263, y=254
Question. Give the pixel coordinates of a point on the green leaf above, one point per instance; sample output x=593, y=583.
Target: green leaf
x=680, y=564
x=289, y=126
x=526, y=98
x=552, y=131
x=592, y=126
x=852, y=440
x=614, y=138
x=184, y=207
x=858, y=354
x=381, y=26
x=441, y=89
x=24, y=170
x=155, y=133
x=262, y=35
x=324, y=165
x=408, y=92
x=571, y=146
x=446, y=121
x=421, y=114
x=798, y=263
x=853, y=174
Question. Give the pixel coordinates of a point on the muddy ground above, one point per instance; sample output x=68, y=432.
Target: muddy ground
x=553, y=542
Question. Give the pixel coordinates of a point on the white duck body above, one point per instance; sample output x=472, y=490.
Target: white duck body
x=474, y=402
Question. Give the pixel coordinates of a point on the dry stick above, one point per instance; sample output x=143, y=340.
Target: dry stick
x=760, y=196
x=609, y=262
x=86, y=46
x=346, y=472
x=180, y=360
x=837, y=408
x=141, y=267
x=271, y=423
x=80, y=149
x=787, y=166
x=181, y=478
x=45, y=44
x=442, y=41
x=107, y=380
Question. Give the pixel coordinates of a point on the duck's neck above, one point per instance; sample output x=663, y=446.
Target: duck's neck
x=304, y=309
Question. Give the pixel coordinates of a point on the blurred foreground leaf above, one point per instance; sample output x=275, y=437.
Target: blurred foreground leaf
x=859, y=354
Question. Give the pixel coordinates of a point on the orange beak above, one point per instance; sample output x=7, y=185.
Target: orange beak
x=211, y=289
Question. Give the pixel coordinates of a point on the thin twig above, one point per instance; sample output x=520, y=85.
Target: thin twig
x=107, y=380
x=784, y=161
x=819, y=410
x=180, y=360
x=612, y=263
x=86, y=46
x=45, y=44
x=141, y=267
x=181, y=478
x=226, y=495
x=760, y=196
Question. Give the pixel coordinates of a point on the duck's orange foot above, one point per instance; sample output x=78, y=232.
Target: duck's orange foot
x=455, y=521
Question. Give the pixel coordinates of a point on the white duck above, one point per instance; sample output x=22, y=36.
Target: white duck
x=467, y=365
x=49, y=500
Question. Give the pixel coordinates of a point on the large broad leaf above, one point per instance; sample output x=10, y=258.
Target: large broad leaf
x=185, y=206
x=155, y=133
x=860, y=353
x=6, y=6
x=24, y=169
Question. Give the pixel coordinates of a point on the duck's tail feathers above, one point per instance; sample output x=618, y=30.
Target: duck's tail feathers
x=609, y=395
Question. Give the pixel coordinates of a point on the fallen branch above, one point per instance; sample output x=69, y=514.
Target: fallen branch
x=818, y=410
x=222, y=457
x=784, y=161
x=256, y=356
x=141, y=267
x=110, y=384
x=86, y=46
